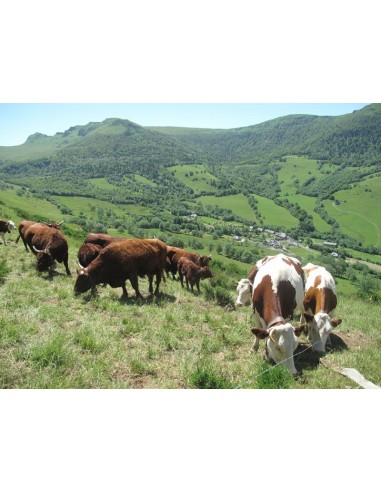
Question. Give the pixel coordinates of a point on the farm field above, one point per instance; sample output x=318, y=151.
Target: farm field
x=359, y=211
x=179, y=340
x=274, y=215
x=195, y=177
x=238, y=204
x=308, y=203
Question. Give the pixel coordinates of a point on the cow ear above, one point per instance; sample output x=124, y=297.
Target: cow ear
x=260, y=333
x=336, y=321
x=308, y=317
x=298, y=329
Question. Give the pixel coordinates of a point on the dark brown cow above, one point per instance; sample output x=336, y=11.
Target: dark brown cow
x=277, y=289
x=48, y=244
x=193, y=273
x=6, y=226
x=87, y=253
x=122, y=260
x=23, y=226
x=320, y=301
x=174, y=255
x=101, y=239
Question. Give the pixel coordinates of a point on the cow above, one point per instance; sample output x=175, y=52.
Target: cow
x=6, y=226
x=101, y=239
x=48, y=244
x=23, y=226
x=277, y=288
x=174, y=255
x=122, y=260
x=193, y=273
x=87, y=253
x=320, y=301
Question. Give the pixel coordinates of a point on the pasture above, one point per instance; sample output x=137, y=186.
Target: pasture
x=238, y=204
x=195, y=177
x=50, y=338
x=274, y=215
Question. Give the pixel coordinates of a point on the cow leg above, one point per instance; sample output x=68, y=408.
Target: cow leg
x=135, y=285
x=158, y=280
x=65, y=262
x=198, y=285
x=181, y=279
x=125, y=293
x=150, y=288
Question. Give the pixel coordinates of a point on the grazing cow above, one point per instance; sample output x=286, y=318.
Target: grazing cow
x=23, y=226
x=320, y=301
x=101, y=239
x=48, y=244
x=122, y=260
x=174, y=255
x=87, y=253
x=6, y=226
x=277, y=289
x=193, y=273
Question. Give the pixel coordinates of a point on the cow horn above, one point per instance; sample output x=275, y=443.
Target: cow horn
x=40, y=250
x=81, y=266
x=60, y=222
x=270, y=335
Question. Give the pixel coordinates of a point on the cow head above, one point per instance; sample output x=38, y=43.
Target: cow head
x=83, y=282
x=11, y=225
x=204, y=260
x=206, y=272
x=245, y=292
x=45, y=261
x=319, y=328
x=281, y=343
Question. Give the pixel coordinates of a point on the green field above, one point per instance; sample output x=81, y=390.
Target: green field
x=195, y=177
x=238, y=204
x=274, y=215
x=102, y=183
x=359, y=211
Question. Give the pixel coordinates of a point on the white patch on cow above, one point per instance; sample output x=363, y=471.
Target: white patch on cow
x=244, y=289
x=11, y=224
x=279, y=270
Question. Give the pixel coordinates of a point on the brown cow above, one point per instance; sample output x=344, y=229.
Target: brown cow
x=6, y=226
x=87, y=253
x=48, y=244
x=101, y=239
x=122, y=260
x=23, y=226
x=193, y=273
x=174, y=255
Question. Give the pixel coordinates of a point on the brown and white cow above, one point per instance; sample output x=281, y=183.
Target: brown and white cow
x=125, y=260
x=6, y=226
x=277, y=286
x=174, y=254
x=193, y=273
x=320, y=301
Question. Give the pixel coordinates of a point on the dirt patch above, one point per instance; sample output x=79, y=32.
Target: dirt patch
x=353, y=340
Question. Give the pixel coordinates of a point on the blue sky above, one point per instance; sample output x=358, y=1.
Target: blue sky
x=19, y=120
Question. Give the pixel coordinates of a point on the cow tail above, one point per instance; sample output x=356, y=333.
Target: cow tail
x=17, y=240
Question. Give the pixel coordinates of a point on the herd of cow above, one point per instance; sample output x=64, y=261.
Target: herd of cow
x=276, y=285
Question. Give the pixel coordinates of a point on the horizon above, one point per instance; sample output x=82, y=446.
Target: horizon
x=18, y=121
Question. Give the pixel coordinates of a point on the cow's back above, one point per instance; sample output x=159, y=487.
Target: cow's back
x=279, y=279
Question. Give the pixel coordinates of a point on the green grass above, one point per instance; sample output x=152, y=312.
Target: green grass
x=274, y=215
x=195, y=177
x=54, y=339
x=238, y=204
x=359, y=211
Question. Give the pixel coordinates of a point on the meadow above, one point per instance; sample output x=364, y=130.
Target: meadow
x=50, y=338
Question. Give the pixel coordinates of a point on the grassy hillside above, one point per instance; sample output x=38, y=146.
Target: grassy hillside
x=50, y=338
